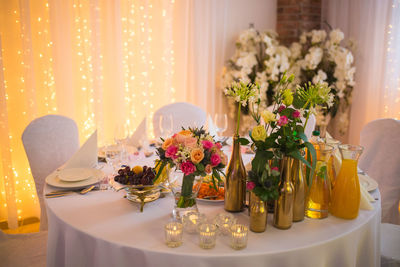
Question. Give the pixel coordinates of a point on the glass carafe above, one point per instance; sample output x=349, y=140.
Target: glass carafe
x=331, y=163
x=345, y=201
x=317, y=202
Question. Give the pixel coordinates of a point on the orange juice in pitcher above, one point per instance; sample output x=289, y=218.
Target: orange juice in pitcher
x=345, y=201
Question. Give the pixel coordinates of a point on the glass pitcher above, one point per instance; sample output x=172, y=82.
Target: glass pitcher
x=331, y=163
x=317, y=203
x=345, y=201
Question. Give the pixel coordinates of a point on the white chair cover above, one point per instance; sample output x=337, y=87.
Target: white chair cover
x=390, y=245
x=381, y=161
x=22, y=250
x=183, y=115
x=49, y=142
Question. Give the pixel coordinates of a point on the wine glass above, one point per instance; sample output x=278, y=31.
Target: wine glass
x=166, y=125
x=121, y=135
x=221, y=123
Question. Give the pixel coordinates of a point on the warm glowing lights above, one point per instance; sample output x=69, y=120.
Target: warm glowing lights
x=113, y=71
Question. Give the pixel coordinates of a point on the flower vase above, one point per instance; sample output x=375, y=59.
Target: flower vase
x=283, y=213
x=258, y=214
x=299, y=186
x=235, y=183
x=185, y=189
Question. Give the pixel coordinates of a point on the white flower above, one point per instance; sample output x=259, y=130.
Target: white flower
x=303, y=38
x=336, y=36
x=318, y=36
x=295, y=50
x=248, y=60
x=320, y=77
x=313, y=58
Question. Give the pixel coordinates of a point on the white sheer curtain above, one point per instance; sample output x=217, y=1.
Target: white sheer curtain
x=101, y=62
x=375, y=27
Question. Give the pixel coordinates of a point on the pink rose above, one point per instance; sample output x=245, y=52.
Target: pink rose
x=274, y=169
x=207, y=144
x=171, y=152
x=188, y=168
x=190, y=142
x=215, y=160
x=283, y=120
x=296, y=114
x=281, y=108
x=208, y=168
x=218, y=145
x=250, y=185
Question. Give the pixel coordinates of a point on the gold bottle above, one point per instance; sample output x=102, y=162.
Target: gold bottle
x=235, y=183
x=299, y=190
x=283, y=213
x=258, y=214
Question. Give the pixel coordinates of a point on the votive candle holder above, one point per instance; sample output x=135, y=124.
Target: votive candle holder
x=207, y=235
x=239, y=233
x=173, y=234
x=192, y=220
x=224, y=222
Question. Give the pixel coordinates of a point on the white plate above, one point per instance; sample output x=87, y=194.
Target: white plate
x=209, y=200
x=368, y=183
x=74, y=174
x=54, y=180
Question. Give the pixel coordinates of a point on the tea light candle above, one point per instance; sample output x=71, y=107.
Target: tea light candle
x=224, y=222
x=192, y=220
x=239, y=236
x=173, y=234
x=208, y=235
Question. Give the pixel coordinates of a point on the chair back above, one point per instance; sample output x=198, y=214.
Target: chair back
x=381, y=160
x=183, y=115
x=49, y=141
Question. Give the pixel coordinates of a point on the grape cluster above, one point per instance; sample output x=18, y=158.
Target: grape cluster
x=127, y=176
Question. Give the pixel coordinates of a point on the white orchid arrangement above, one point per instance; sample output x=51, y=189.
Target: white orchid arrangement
x=318, y=58
x=258, y=59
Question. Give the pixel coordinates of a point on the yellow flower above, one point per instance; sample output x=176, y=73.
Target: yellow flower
x=268, y=116
x=259, y=133
x=287, y=97
x=196, y=155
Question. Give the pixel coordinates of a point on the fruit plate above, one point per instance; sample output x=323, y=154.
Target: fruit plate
x=203, y=200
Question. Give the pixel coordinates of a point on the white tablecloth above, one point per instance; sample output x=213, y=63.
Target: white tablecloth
x=104, y=229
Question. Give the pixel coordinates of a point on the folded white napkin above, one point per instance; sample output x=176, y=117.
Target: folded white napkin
x=86, y=156
x=139, y=136
x=212, y=129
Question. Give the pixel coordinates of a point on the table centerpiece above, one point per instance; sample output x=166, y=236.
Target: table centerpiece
x=279, y=142
x=191, y=154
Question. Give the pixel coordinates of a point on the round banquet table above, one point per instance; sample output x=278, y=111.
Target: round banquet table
x=102, y=228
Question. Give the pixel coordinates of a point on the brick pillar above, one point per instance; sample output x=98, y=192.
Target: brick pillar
x=296, y=16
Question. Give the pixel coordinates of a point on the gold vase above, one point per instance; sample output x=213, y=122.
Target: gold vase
x=299, y=190
x=258, y=214
x=283, y=213
x=235, y=183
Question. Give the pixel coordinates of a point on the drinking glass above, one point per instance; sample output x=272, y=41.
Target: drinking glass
x=221, y=122
x=166, y=125
x=121, y=135
x=346, y=193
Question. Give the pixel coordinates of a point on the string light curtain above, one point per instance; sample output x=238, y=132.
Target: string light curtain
x=377, y=57
x=105, y=62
